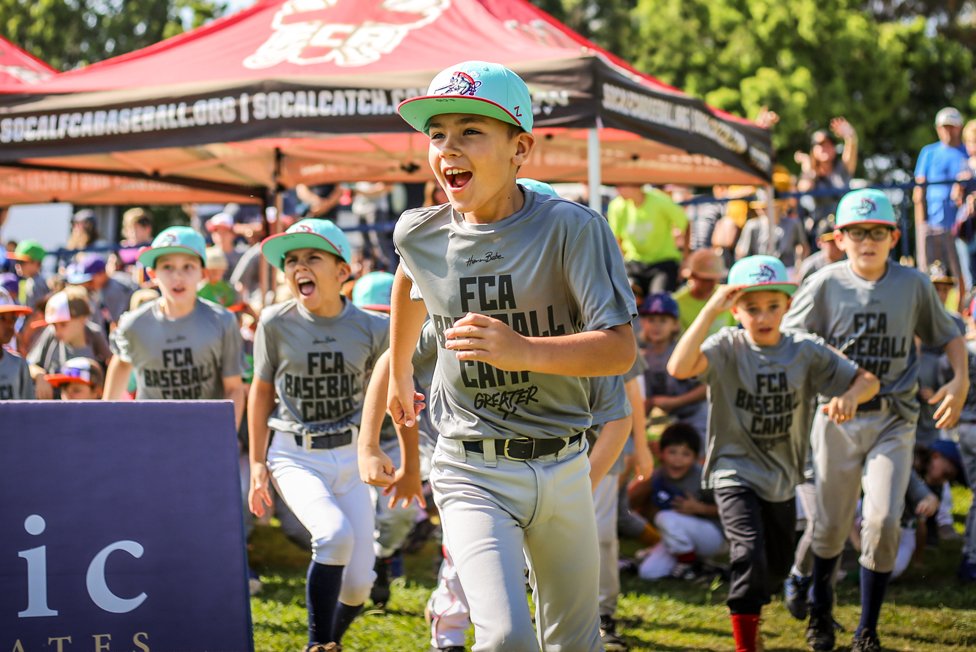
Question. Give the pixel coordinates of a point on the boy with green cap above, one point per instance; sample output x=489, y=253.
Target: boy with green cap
x=871, y=309
x=314, y=354
x=762, y=381
x=28, y=257
x=180, y=346
x=527, y=294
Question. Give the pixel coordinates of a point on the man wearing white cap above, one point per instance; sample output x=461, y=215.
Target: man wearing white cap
x=935, y=211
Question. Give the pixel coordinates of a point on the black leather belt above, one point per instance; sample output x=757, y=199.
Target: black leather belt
x=874, y=405
x=523, y=448
x=324, y=441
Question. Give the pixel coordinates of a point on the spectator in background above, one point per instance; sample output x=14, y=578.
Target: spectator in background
x=109, y=294
x=828, y=253
x=644, y=224
x=33, y=286
x=84, y=231
x=69, y=334
x=822, y=171
x=703, y=272
x=137, y=228
x=935, y=211
x=780, y=234
x=221, y=230
x=702, y=218
x=214, y=288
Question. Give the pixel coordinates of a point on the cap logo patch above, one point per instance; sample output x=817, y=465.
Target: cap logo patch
x=167, y=239
x=461, y=84
x=866, y=207
x=301, y=228
x=763, y=274
x=657, y=306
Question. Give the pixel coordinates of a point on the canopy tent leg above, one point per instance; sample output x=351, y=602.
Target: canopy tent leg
x=593, y=180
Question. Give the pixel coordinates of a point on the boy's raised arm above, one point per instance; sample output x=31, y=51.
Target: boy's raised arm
x=687, y=360
x=406, y=322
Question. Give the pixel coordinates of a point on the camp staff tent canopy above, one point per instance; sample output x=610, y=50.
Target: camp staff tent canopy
x=291, y=91
x=17, y=68
x=19, y=72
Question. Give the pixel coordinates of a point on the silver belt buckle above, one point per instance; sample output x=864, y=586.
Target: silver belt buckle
x=518, y=439
x=307, y=441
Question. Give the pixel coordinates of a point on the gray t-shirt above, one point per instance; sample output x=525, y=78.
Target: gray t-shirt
x=780, y=241
x=115, y=296
x=659, y=382
x=874, y=323
x=15, y=379
x=762, y=405
x=49, y=353
x=318, y=365
x=185, y=358
x=552, y=268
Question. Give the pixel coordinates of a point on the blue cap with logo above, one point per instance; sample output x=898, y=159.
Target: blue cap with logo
x=373, y=291
x=306, y=234
x=174, y=240
x=865, y=206
x=473, y=87
x=660, y=303
x=756, y=273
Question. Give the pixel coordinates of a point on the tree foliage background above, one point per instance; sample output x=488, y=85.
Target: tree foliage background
x=886, y=65
x=71, y=33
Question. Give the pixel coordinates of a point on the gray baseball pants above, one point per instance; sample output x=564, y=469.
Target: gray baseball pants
x=492, y=510
x=873, y=452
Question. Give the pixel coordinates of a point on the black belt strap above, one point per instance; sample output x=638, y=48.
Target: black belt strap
x=522, y=448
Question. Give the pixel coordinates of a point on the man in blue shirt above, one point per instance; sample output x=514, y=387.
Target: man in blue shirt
x=935, y=210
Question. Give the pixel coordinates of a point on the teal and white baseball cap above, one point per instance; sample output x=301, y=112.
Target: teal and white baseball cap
x=755, y=273
x=540, y=187
x=373, y=291
x=865, y=206
x=306, y=234
x=174, y=240
x=475, y=87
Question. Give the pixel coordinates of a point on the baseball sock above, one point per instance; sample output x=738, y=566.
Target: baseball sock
x=745, y=628
x=873, y=586
x=823, y=588
x=344, y=615
x=321, y=595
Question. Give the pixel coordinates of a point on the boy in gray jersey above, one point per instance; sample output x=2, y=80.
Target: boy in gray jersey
x=761, y=384
x=871, y=309
x=527, y=294
x=314, y=354
x=15, y=376
x=179, y=346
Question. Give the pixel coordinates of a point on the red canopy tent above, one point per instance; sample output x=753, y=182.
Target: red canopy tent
x=291, y=91
x=19, y=73
x=18, y=68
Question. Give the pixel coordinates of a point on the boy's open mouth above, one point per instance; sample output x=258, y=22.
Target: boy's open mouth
x=306, y=287
x=457, y=178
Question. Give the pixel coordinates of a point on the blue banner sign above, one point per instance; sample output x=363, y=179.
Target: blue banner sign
x=121, y=528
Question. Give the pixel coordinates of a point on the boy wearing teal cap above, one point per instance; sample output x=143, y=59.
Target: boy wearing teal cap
x=312, y=357
x=871, y=309
x=761, y=383
x=527, y=293
x=180, y=346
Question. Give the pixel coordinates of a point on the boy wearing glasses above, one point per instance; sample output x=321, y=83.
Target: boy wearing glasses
x=870, y=308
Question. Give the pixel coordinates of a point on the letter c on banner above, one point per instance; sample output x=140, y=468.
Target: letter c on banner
x=98, y=589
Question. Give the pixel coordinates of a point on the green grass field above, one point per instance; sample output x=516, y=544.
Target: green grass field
x=927, y=609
